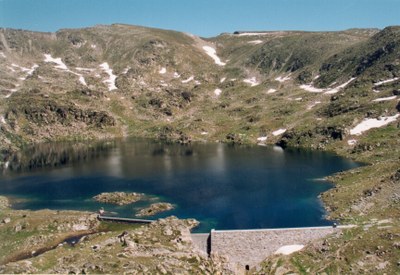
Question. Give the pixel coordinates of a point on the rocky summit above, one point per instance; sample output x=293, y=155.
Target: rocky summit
x=334, y=91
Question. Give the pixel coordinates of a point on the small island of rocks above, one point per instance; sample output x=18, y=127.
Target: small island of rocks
x=154, y=209
x=119, y=198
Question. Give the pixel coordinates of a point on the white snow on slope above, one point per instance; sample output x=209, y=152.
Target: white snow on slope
x=176, y=75
x=222, y=80
x=163, y=70
x=125, y=71
x=309, y=107
x=370, y=123
x=283, y=78
x=278, y=132
x=253, y=33
x=338, y=88
x=2, y=120
x=84, y=69
x=312, y=89
x=60, y=65
x=289, y=249
x=262, y=139
x=82, y=80
x=188, y=80
x=252, y=81
x=255, y=42
x=213, y=54
x=384, y=98
x=112, y=77
x=271, y=91
x=352, y=142
x=3, y=55
x=217, y=92
x=29, y=71
x=385, y=81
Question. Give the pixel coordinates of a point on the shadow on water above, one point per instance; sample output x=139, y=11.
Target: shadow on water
x=57, y=154
x=224, y=187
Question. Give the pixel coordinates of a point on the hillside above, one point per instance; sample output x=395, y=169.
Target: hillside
x=336, y=91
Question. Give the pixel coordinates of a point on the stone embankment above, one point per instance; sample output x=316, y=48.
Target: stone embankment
x=245, y=249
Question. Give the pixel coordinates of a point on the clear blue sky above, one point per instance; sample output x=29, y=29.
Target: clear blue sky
x=201, y=17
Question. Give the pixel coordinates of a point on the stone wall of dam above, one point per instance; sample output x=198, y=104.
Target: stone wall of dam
x=247, y=248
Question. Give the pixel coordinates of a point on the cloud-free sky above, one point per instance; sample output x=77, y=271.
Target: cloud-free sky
x=201, y=17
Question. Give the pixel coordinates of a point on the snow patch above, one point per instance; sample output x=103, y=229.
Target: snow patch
x=298, y=98
x=384, y=98
x=125, y=71
x=188, y=80
x=176, y=75
x=163, y=70
x=2, y=120
x=82, y=80
x=252, y=81
x=59, y=64
x=255, y=42
x=278, y=132
x=84, y=69
x=93, y=46
x=222, y=80
x=370, y=123
x=352, y=142
x=253, y=33
x=204, y=133
x=289, y=249
x=213, y=54
x=386, y=81
x=3, y=55
x=271, y=91
x=217, y=92
x=112, y=77
x=313, y=105
x=338, y=88
x=262, y=139
x=312, y=89
x=283, y=78
x=29, y=71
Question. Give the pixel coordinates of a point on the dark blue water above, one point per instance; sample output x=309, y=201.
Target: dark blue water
x=224, y=187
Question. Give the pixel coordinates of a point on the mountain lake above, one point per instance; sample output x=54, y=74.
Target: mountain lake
x=222, y=186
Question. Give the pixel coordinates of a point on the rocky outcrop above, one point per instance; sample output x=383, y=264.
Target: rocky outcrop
x=154, y=209
x=47, y=111
x=119, y=198
x=163, y=247
x=4, y=202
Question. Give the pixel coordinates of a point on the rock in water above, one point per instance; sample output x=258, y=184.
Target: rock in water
x=119, y=198
x=154, y=209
